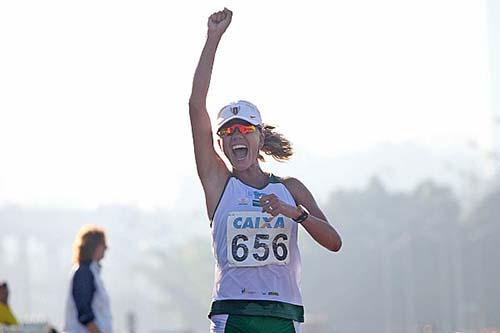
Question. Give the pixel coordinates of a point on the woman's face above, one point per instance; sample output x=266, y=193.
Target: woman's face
x=99, y=251
x=242, y=150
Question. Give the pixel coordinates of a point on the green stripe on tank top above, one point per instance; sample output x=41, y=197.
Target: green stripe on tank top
x=258, y=308
x=274, y=179
x=258, y=324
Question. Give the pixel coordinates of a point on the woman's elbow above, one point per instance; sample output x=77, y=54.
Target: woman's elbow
x=335, y=245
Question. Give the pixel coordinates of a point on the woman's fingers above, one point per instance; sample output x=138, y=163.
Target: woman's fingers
x=219, y=21
x=270, y=204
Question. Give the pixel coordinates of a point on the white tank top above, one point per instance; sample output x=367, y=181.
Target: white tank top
x=257, y=256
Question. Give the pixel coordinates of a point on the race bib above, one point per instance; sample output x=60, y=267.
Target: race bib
x=257, y=239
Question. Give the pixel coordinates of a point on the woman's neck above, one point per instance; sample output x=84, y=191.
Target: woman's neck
x=253, y=176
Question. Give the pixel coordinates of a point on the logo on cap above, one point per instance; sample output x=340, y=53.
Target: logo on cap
x=235, y=110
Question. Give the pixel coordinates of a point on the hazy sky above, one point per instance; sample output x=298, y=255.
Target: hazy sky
x=94, y=94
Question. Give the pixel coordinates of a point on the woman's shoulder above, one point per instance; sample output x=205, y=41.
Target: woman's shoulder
x=83, y=277
x=286, y=180
x=83, y=268
x=296, y=188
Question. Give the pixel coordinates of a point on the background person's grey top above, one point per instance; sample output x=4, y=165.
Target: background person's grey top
x=87, y=300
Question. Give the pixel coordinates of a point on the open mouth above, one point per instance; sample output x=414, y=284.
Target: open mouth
x=240, y=152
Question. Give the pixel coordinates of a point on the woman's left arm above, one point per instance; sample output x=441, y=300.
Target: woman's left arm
x=316, y=223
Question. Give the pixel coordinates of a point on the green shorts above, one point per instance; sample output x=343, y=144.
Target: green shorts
x=232, y=323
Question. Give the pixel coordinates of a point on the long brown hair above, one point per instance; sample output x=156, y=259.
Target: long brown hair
x=275, y=144
x=86, y=241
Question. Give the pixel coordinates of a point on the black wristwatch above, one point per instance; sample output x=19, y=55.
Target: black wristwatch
x=303, y=215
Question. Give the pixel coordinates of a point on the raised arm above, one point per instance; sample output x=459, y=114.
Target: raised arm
x=211, y=169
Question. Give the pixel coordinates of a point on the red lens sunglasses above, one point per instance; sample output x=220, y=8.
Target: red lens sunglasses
x=243, y=129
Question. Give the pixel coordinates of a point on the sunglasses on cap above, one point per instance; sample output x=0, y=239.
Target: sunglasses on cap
x=243, y=129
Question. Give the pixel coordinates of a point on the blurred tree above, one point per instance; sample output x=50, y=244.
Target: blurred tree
x=393, y=272
x=482, y=268
x=183, y=274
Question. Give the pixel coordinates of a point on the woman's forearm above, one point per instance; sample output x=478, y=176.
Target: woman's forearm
x=323, y=233
x=203, y=72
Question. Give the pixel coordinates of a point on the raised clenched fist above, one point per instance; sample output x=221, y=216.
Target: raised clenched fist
x=219, y=21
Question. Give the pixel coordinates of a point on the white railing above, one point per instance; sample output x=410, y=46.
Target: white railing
x=25, y=328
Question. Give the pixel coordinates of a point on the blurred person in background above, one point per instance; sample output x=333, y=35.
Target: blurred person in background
x=6, y=315
x=88, y=306
x=254, y=215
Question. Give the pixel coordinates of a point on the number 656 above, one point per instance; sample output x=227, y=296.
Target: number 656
x=277, y=244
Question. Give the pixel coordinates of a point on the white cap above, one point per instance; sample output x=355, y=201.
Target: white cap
x=239, y=110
